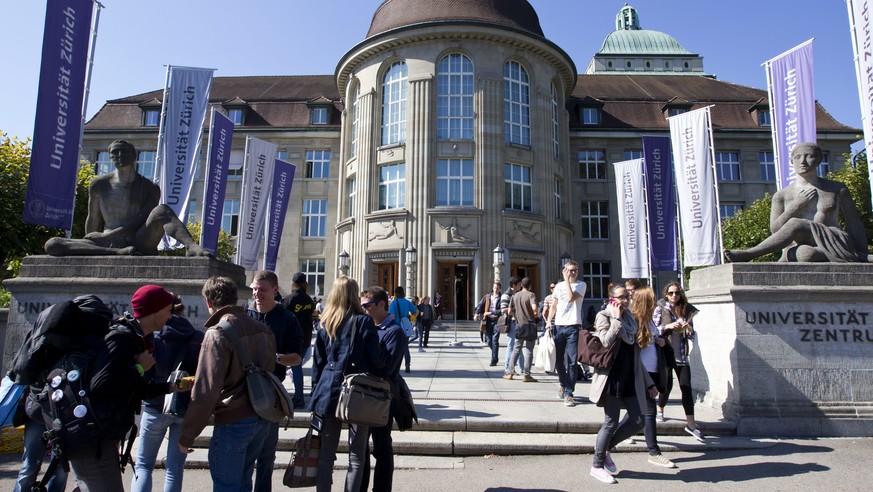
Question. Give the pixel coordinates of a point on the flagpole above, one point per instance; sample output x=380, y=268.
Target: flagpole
x=679, y=257
x=242, y=198
x=773, y=130
x=208, y=169
x=715, y=183
x=92, y=49
x=646, y=220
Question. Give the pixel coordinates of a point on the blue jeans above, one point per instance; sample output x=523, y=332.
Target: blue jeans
x=267, y=460
x=297, y=377
x=510, y=345
x=232, y=453
x=566, y=348
x=31, y=460
x=492, y=338
x=612, y=431
x=153, y=428
x=330, y=434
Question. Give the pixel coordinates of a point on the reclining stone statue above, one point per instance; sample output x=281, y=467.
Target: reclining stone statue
x=124, y=215
x=804, y=218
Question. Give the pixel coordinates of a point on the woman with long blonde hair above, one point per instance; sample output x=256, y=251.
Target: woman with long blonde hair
x=652, y=357
x=334, y=358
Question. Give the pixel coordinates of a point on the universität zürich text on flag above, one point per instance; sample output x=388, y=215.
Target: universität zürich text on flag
x=215, y=186
x=283, y=179
x=661, y=203
x=630, y=192
x=257, y=177
x=54, y=160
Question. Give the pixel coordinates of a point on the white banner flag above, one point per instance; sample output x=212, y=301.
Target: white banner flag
x=632, y=219
x=689, y=133
x=257, y=178
x=186, y=99
x=859, y=20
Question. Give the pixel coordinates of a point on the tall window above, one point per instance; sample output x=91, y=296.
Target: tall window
x=595, y=220
x=455, y=98
x=516, y=104
x=235, y=164
x=352, y=190
x=230, y=217
x=517, y=187
x=318, y=164
x=314, y=271
x=727, y=166
x=353, y=150
x=454, y=184
x=145, y=162
x=592, y=164
x=314, y=218
x=103, y=164
x=825, y=166
x=590, y=116
x=768, y=166
x=729, y=209
x=596, y=275
x=319, y=116
x=392, y=186
x=394, y=104
x=559, y=214
x=556, y=144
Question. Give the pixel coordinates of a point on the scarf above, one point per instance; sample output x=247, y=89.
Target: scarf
x=628, y=331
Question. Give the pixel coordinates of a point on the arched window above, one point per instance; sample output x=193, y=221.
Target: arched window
x=353, y=147
x=455, y=98
x=556, y=143
x=394, y=104
x=516, y=104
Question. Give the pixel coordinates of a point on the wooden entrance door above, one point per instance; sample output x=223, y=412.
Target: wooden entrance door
x=453, y=284
x=387, y=277
x=529, y=271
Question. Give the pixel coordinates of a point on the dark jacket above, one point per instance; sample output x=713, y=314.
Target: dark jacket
x=393, y=342
x=301, y=306
x=289, y=336
x=177, y=339
x=330, y=356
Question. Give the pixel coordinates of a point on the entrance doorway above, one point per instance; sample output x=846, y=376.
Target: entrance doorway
x=453, y=284
x=529, y=271
x=387, y=273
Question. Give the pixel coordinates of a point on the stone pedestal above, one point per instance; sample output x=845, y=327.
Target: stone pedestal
x=45, y=280
x=786, y=349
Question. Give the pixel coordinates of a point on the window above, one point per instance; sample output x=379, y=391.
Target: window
x=824, y=167
x=319, y=116
x=455, y=98
x=394, y=105
x=353, y=148
x=237, y=115
x=235, y=164
x=192, y=212
x=282, y=155
x=676, y=111
x=592, y=164
x=595, y=220
x=767, y=165
x=516, y=104
x=633, y=154
x=314, y=271
x=392, y=186
x=729, y=209
x=314, y=218
x=454, y=183
x=318, y=164
x=230, y=217
x=727, y=166
x=352, y=190
x=590, y=116
x=596, y=275
x=556, y=147
x=145, y=164
x=103, y=164
x=764, y=118
x=517, y=187
x=559, y=214
x=151, y=117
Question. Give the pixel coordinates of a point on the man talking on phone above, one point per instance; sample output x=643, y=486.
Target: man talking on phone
x=567, y=317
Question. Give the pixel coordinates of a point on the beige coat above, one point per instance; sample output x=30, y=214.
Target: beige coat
x=607, y=330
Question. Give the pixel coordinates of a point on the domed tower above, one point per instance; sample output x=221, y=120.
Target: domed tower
x=455, y=143
x=631, y=49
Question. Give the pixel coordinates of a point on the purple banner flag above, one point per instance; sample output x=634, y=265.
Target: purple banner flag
x=792, y=98
x=662, y=203
x=283, y=179
x=54, y=162
x=220, y=139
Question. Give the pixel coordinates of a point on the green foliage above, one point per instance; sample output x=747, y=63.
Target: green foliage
x=18, y=239
x=226, y=244
x=748, y=227
x=857, y=181
x=5, y=298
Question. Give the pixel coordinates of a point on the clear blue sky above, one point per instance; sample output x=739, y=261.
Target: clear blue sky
x=304, y=37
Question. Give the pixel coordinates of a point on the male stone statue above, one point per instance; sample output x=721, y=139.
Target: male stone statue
x=804, y=218
x=124, y=217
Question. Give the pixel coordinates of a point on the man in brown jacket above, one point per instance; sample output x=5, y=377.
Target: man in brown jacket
x=220, y=389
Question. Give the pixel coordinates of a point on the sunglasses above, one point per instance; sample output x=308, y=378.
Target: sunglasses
x=366, y=305
x=673, y=293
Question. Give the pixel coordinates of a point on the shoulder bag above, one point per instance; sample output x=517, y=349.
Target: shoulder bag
x=364, y=399
x=269, y=398
x=403, y=321
x=301, y=470
x=592, y=352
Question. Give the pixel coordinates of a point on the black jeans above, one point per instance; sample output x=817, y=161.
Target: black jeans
x=683, y=374
x=612, y=431
x=651, y=431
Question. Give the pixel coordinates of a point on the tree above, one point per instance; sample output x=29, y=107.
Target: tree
x=18, y=239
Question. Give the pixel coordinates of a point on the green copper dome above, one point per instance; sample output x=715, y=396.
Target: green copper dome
x=630, y=39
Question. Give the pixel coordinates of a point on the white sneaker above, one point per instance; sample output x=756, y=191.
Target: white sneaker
x=660, y=418
x=696, y=433
x=660, y=460
x=602, y=475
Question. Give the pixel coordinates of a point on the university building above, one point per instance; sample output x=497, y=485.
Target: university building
x=456, y=144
